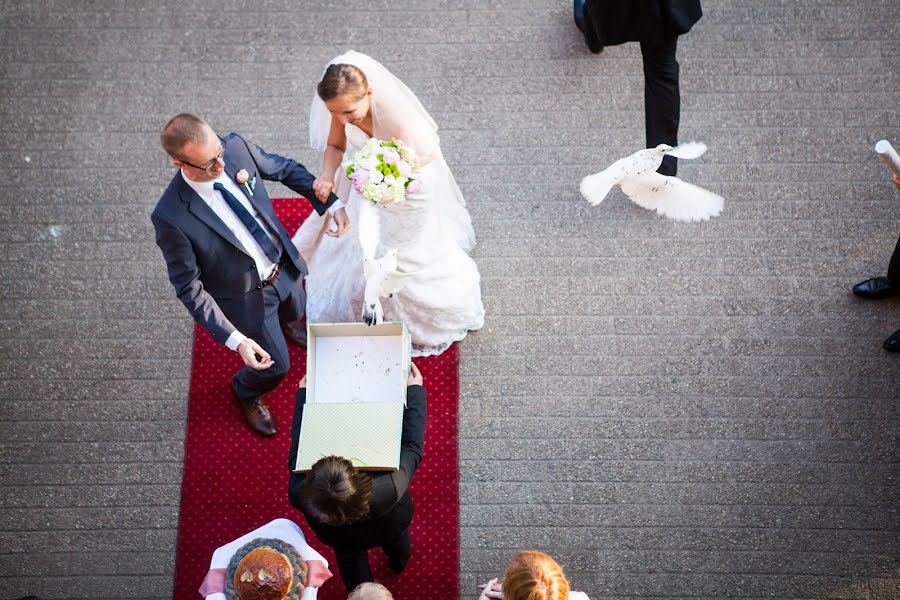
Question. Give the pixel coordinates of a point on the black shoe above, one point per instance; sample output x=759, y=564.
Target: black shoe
x=892, y=344
x=876, y=288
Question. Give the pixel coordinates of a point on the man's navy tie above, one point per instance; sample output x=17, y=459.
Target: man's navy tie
x=264, y=241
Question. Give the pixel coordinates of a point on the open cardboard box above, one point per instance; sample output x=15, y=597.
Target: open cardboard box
x=355, y=394
x=355, y=362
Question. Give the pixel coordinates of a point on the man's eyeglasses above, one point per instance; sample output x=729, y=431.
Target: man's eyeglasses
x=208, y=165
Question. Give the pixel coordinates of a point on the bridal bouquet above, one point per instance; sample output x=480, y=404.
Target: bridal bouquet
x=384, y=172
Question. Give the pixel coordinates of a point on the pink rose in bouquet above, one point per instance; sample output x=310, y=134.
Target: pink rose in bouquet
x=360, y=177
x=414, y=186
x=389, y=156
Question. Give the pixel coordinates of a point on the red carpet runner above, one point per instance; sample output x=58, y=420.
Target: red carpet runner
x=235, y=481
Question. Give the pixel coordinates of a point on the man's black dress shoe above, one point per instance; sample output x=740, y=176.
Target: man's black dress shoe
x=892, y=344
x=876, y=288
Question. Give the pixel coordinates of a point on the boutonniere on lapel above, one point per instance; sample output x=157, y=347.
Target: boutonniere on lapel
x=243, y=178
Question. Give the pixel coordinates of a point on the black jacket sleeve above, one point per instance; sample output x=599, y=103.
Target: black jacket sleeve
x=412, y=443
x=289, y=172
x=184, y=274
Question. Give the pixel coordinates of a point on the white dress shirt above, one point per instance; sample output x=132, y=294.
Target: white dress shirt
x=217, y=203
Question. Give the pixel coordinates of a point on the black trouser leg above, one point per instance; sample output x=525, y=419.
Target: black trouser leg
x=250, y=383
x=293, y=295
x=662, y=99
x=398, y=551
x=894, y=267
x=354, y=567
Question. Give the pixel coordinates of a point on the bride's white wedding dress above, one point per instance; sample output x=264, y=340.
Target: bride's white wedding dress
x=440, y=300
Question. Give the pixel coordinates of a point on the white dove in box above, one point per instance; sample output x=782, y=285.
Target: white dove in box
x=356, y=394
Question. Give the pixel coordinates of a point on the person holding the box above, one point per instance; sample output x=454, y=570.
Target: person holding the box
x=353, y=511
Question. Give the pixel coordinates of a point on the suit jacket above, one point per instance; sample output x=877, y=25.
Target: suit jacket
x=391, y=507
x=615, y=22
x=211, y=272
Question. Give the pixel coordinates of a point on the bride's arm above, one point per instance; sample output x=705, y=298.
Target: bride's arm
x=334, y=153
x=425, y=151
x=413, y=131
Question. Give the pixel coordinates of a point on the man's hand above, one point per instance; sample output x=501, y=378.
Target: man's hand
x=342, y=221
x=492, y=590
x=302, y=382
x=249, y=350
x=896, y=179
x=323, y=187
x=415, y=377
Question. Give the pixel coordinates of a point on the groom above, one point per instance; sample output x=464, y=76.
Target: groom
x=231, y=261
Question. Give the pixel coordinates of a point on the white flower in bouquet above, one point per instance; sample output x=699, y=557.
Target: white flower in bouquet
x=369, y=164
x=404, y=168
x=398, y=189
x=371, y=190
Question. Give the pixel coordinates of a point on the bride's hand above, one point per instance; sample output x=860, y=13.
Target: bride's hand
x=342, y=221
x=323, y=187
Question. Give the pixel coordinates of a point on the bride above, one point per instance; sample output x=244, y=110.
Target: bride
x=440, y=297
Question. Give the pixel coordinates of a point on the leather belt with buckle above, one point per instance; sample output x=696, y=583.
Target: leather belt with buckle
x=271, y=278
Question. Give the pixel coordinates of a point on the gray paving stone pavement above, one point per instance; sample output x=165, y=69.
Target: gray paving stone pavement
x=673, y=411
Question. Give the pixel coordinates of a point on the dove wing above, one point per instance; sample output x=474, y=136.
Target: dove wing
x=595, y=187
x=672, y=197
x=393, y=283
x=688, y=150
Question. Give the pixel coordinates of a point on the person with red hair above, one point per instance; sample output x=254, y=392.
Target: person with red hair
x=531, y=575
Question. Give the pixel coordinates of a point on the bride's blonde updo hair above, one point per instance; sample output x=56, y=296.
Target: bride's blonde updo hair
x=342, y=79
x=534, y=576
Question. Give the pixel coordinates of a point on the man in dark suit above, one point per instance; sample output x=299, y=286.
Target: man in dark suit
x=656, y=24
x=228, y=256
x=353, y=511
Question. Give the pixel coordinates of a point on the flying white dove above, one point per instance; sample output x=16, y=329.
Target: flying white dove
x=667, y=195
x=382, y=277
